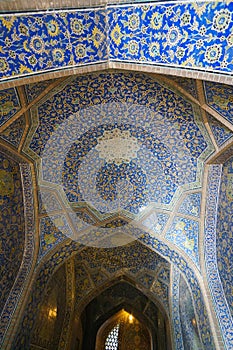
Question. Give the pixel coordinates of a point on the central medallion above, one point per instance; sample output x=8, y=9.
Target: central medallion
x=117, y=146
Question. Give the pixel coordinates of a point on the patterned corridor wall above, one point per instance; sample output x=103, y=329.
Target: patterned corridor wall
x=11, y=225
x=50, y=315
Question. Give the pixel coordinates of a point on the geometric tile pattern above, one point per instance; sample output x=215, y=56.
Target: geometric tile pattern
x=220, y=131
x=14, y=132
x=196, y=36
x=214, y=262
x=125, y=104
x=184, y=34
x=44, y=41
x=191, y=205
x=220, y=98
x=9, y=103
x=95, y=266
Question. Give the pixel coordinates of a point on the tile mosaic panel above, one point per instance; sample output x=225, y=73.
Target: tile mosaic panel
x=147, y=280
x=83, y=287
x=133, y=257
x=47, y=41
x=94, y=266
x=12, y=225
x=161, y=291
x=51, y=234
x=220, y=98
x=191, y=205
x=216, y=287
x=185, y=234
x=119, y=108
x=220, y=132
x=69, y=311
x=224, y=234
x=192, y=35
x=9, y=104
x=189, y=327
x=98, y=277
x=19, y=283
x=14, y=132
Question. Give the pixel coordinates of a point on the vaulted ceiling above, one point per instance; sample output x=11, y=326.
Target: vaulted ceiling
x=119, y=159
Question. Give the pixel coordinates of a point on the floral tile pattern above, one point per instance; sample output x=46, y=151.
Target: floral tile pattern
x=182, y=265
x=193, y=35
x=156, y=222
x=130, y=109
x=48, y=202
x=47, y=41
x=178, y=338
x=190, y=331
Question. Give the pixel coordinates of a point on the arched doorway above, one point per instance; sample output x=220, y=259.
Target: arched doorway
x=123, y=331
x=104, y=312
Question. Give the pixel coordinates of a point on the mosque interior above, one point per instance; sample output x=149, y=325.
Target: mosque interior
x=116, y=175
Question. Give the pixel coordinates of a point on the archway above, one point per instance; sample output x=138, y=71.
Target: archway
x=140, y=322
x=123, y=331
